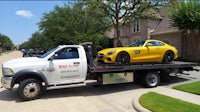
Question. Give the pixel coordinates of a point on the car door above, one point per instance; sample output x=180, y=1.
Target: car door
x=138, y=54
x=137, y=51
x=65, y=67
x=154, y=49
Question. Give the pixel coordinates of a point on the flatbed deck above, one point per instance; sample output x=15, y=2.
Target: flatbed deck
x=152, y=66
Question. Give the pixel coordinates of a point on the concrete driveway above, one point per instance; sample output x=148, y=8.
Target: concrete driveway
x=89, y=98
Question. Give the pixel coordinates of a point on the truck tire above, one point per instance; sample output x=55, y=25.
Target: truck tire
x=30, y=89
x=151, y=79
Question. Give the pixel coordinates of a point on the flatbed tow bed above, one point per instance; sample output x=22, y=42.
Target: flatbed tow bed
x=154, y=66
x=148, y=74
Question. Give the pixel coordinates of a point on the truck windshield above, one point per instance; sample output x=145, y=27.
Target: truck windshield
x=47, y=53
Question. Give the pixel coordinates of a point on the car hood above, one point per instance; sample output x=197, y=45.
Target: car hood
x=22, y=62
x=116, y=48
x=108, y=50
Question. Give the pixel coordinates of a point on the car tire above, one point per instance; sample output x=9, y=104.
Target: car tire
x=168, y=57
x=30, y=89
x=123, y=58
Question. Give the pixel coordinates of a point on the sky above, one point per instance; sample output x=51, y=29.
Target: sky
x=18, y=19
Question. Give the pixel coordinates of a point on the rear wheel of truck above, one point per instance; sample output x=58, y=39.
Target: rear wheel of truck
x=30, y=89
x=151, y=79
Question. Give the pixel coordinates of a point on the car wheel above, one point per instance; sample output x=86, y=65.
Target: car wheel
x=168, y=57
x=123, y=58
x=30, y=89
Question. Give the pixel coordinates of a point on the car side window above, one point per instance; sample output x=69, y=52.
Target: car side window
x=153, y=43
x=67, y=53
x=160, y=44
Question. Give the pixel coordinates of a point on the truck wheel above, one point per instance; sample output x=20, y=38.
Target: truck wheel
x=123, y=58
x=30, y=89
x=151, y=79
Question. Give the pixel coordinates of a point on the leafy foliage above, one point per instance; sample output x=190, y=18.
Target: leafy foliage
x=5, y=42
x=65, y=23
x=70, y=25
x=186, y=15
x=37, y=41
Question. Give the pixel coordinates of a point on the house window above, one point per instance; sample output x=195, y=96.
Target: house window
x=136, y=26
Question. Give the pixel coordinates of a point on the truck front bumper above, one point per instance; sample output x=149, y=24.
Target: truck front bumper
x=6, y=82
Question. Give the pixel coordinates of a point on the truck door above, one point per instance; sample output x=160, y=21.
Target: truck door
x=65, y=67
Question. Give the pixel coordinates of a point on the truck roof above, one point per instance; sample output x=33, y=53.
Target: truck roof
x=61, y=46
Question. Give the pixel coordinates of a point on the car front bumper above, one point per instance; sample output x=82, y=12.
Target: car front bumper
x=6, y=82
x=106, y=58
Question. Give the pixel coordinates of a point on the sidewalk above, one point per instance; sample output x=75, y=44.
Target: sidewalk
x=188, y=97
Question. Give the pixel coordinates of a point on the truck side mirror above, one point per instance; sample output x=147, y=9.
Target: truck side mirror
x=53, y=57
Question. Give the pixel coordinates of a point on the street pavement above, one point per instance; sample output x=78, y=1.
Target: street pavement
x=91, y=98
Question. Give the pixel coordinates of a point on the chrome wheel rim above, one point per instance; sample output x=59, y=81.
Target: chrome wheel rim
x=31, y=90
x=152, y=79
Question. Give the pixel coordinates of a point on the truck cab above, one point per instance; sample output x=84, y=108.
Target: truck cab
x=65, y=64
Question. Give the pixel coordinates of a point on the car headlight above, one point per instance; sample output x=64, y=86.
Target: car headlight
x=7, y=71
x=111, y=52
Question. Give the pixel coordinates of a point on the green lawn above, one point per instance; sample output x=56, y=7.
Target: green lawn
x=190, y=87
x=161, y=103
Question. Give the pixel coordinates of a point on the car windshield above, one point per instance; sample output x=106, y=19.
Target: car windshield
x=47, y=53
x=137, y=44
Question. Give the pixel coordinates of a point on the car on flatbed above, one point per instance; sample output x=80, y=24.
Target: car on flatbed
x=139, y=52
x=71, y=65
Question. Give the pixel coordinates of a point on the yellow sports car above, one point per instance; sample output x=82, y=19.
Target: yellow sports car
x=139, y=52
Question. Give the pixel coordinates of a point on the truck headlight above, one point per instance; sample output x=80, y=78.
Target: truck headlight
x=7, y=71
x=111, y=52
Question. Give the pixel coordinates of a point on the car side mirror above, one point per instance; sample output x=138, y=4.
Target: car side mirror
x=148, y=44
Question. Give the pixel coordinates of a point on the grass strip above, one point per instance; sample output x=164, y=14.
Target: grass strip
x=193, y=87
x=161, y=103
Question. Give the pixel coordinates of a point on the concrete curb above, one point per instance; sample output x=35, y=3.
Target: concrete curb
x=137, y=105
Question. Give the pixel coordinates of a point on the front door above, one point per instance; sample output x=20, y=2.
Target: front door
x=154, y=51
x=65, y=67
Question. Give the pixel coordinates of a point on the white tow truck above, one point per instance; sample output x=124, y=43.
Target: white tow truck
x=70, y=65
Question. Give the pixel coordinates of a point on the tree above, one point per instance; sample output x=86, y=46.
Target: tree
x=186, y=16
x=64, y=25
x=37, y=41
x=124, y=11
x=6, y=43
